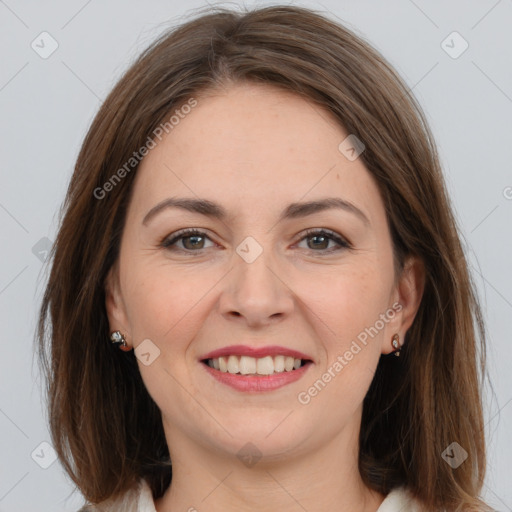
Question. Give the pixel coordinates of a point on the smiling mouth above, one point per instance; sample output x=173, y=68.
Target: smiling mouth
x=257, y=367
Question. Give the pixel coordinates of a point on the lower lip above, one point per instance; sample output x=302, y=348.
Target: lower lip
x=260, y=383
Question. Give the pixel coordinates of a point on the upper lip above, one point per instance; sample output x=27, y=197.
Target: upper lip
x=256, y=352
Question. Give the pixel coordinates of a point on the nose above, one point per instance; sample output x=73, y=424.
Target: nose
x=256, y=293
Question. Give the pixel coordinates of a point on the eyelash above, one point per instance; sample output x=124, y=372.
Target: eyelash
x=168, y=242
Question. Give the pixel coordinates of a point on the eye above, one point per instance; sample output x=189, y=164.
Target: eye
x=321, y=239
x=192, y=240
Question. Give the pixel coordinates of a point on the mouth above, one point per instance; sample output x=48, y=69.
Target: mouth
x=255, y=369
x=248, y=366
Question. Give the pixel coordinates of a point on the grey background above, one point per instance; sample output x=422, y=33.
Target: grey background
x=47, y=105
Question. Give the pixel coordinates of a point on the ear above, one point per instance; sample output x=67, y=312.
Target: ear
x=114, y=304
x=406, y=300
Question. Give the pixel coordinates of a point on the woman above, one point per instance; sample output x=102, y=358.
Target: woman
x=258, y=219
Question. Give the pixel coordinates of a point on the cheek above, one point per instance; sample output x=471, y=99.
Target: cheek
x=167, y=304
x=350, y=307
x=347, y=308
x=168, y=307
x=349, y=302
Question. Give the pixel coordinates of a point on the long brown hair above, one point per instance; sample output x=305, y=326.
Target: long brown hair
x=100, y=413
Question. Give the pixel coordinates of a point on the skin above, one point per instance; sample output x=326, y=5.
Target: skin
x=254, y=149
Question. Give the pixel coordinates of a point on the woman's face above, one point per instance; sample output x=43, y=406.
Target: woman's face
x=255, y=278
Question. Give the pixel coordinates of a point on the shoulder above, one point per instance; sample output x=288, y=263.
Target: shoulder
x=137, y=499
x=400, y=499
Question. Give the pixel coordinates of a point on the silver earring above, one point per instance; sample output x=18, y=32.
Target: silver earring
x=117, y=338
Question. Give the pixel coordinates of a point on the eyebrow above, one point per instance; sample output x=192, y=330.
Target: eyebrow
x=292, y=211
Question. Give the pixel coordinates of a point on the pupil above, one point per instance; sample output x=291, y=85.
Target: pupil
x=317, y=237
x=188, y=238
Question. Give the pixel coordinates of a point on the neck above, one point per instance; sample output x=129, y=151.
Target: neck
x=325, y=478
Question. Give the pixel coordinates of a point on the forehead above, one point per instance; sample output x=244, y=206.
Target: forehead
x=253, y=145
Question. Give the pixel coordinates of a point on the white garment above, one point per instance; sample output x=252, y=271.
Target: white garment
x=141, y=500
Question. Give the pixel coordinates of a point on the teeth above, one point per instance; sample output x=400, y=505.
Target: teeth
x=279, y=364
x=233, y=364
x=246, y=365
x=265, y=366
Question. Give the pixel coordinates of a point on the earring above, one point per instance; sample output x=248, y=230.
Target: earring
x=118, y=338
x=396, y=344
